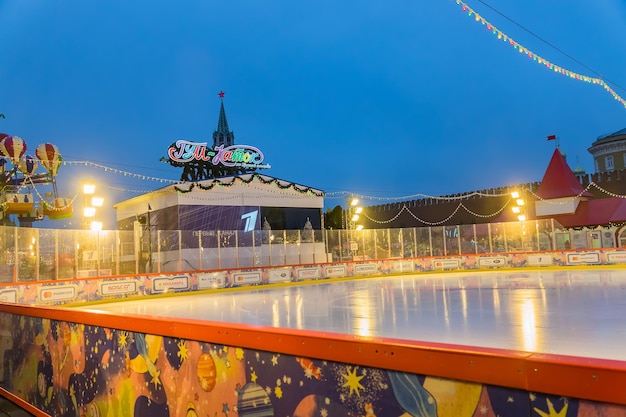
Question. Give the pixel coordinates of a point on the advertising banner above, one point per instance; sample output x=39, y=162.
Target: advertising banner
x=165, y=284
x=208, y=280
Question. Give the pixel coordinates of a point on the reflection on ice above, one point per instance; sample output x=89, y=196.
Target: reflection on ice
x=573, y=312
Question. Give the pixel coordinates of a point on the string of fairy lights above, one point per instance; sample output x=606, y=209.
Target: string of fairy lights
x=440, y=222
x=252, y=180
x=535, y=57
x=460, y=206
x=248, y=180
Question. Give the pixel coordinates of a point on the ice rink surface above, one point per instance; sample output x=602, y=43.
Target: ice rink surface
x=579, y=312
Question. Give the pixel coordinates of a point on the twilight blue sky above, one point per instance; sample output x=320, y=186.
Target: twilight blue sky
x=381, y=98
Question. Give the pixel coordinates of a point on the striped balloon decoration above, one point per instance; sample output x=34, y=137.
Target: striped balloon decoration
x=49, y=156
x=13, y=147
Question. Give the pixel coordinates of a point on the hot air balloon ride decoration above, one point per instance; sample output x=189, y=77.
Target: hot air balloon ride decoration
x=12, y=149
x=50, y=158
x=18, y=174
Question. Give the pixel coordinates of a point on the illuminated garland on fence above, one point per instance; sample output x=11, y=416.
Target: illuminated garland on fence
x=460, y=206
x=496, y=213
x=523, y=50
x=267, y=180
x=344, y=194
x=587, y=188
x=605, y=191
x=330, y=196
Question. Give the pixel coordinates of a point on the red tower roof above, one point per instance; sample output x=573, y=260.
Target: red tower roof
x=559, y=181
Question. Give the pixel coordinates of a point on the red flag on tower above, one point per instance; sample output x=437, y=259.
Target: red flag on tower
x=551, y=137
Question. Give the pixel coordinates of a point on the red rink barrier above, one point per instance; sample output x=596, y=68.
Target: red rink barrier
x=164, y=367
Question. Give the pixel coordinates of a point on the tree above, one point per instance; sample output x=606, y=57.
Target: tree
x=333, y=218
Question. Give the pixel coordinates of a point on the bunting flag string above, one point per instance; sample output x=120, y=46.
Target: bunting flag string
x=538, y=59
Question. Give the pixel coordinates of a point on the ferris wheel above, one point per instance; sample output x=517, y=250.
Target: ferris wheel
x=19, y=194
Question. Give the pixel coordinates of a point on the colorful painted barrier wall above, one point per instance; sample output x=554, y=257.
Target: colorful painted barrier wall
x=75, y=363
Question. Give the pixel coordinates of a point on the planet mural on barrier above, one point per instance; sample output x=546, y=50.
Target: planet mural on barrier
x=206, y=372
x=254, y=401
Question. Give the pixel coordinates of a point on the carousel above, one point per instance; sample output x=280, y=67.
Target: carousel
x=20, y=192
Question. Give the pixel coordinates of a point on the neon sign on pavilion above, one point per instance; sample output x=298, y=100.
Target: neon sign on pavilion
x=244, y=156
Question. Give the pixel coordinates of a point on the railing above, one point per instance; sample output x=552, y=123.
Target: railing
x=30, y=254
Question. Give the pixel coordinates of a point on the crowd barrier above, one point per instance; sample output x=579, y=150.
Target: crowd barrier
x=92, y=289
x=29, y=254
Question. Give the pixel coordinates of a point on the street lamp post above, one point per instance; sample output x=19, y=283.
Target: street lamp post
x=520, y=209
x=353, y=213
x=90, y=204
x=520, y=206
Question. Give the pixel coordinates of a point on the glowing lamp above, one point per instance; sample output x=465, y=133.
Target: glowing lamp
x=89, y=188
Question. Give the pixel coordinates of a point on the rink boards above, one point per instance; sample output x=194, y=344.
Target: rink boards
x=65, y=361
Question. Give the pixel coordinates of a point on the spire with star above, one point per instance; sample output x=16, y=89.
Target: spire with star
x=223, y=136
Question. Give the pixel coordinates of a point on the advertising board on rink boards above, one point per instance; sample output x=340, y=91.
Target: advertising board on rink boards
x=368, y=268
x=308, y=272
x=492, y=261
x=543, y=259
x=118, y=287
x=616, y=257
x=8, y=296
x=335, y=271
x=279, y=275
x=583, y=258
x=172, y=283
x=447, y=263
x=57, y=294
x=246, y=278
x=402, y=266
x=211, y=280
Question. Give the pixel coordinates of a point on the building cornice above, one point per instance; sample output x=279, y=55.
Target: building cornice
x=608, y=148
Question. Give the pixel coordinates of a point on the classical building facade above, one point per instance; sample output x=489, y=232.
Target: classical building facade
x=609, y=152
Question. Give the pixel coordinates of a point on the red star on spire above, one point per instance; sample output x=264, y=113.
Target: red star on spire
x=221, y=94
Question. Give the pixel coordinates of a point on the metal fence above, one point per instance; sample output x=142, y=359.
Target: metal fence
x=30, y=254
